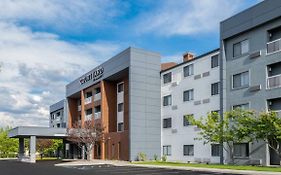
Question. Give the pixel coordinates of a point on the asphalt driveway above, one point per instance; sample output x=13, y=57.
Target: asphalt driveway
x=48, y=168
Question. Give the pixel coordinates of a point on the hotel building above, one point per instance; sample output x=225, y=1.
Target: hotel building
x=123, y=94
x=250, y=47
x=189, y=88
x=58, y=115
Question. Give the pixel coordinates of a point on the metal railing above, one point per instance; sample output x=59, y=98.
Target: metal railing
x=97, y=115
x=274, y=82
x=88, y=100
x=97, y=97
x=274, y=46
x=88, y=117
x=79, y=108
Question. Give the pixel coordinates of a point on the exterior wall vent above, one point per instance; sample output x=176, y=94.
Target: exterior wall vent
x=255, y=54
x=174, y=107
x=174, y=131
x=206, y=101
x=205, y=74
x=255, y=88
x=197, y=102
x=197, y=77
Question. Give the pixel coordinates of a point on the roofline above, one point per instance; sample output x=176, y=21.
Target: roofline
x=195, y=58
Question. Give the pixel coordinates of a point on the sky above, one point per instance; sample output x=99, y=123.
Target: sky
x=45, y=44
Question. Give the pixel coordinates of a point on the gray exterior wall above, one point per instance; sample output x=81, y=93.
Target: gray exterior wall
x=144, y=97
x=144, y=102
x=253, y=25
x=61, y=107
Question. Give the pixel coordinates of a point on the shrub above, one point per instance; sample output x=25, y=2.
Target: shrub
x=164, y=158
x=141, y=156
x=155, y=157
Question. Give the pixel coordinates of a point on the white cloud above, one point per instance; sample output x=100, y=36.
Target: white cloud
x=187, y=17
x=35, y=69
x=60, y=15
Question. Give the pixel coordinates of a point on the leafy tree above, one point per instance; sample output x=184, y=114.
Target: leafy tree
x=48, y=146
x=267, y=127
x=8, y=146
x=229, y=131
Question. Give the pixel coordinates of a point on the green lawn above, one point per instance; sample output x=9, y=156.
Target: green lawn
x=233, y=167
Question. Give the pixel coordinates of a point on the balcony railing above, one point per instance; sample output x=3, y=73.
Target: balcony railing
x=88, y=100
x=97, y=97
x=274, y=46
x=97, y=115
x=88, y=117
x=274, y=82
x=79, y=108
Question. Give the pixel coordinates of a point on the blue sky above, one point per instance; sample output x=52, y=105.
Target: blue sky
x=47, y=43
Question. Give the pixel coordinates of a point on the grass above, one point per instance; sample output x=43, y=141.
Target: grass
x=46, y=158
x=217, y=166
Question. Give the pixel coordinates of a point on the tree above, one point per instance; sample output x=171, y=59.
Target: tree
x=267, y=127
x=88, y=135
x=8, y=146
x=42, y=145
x=228, y=131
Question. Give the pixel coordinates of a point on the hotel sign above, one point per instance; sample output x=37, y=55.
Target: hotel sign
x=93, y=76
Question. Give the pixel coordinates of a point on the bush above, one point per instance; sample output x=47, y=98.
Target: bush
x=155, y=157
x=141, y=156
x=164, y=158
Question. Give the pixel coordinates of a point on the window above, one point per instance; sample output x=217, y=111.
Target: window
x=167, y=100
x=215, y=88
x=274, y=104
x=188, y=150
x=214, y=61
x=120, y=107
x=240, y=48
x=188, y=70
x=241, y=150
x=188, y=95
x=120, y=127
x=241, y=106
x=185, y=120
x=58, y=113
x=167, y=123
x=120, y=87
x=97, y=90
x=167, y=78
x=97, y=109
x=88, y=94
x=89, y=111
x=215, y=150
x=167, y=150
x=241, y=80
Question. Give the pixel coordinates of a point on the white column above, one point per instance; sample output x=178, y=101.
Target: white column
x=83, y=152
x=32, y=149
x=21, y=149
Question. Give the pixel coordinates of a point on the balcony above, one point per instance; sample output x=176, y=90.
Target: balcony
x=57, y=119
x=97, y=97
x=88, y=117
x=88, y=100
x=79, y=108
x=274, y=82
x=97, y=115
x=274, y=46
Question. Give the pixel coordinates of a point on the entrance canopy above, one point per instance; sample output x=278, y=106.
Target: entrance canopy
x=39, y=132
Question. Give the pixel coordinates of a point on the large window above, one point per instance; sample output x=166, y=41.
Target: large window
x=240, y=48
x=167, y=100
x=167, y=150
x=241, y=150
x=215, y=88
x=185, y=120
x=188, y=70
x=97, y=91
x=188, y=150
x=167, y=123
x=215, y=150
x=241, y=106
x=120, y=107
x=241, y=80
x=188, y=95
x=167, y=78
x=89, y=94
x=214, y=61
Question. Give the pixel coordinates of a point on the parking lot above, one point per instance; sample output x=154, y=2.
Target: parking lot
x=48, y=168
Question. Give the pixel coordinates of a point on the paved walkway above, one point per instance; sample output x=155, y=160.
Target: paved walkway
x=128, y=164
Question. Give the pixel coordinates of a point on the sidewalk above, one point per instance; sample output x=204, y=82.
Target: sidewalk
x=125, y=163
